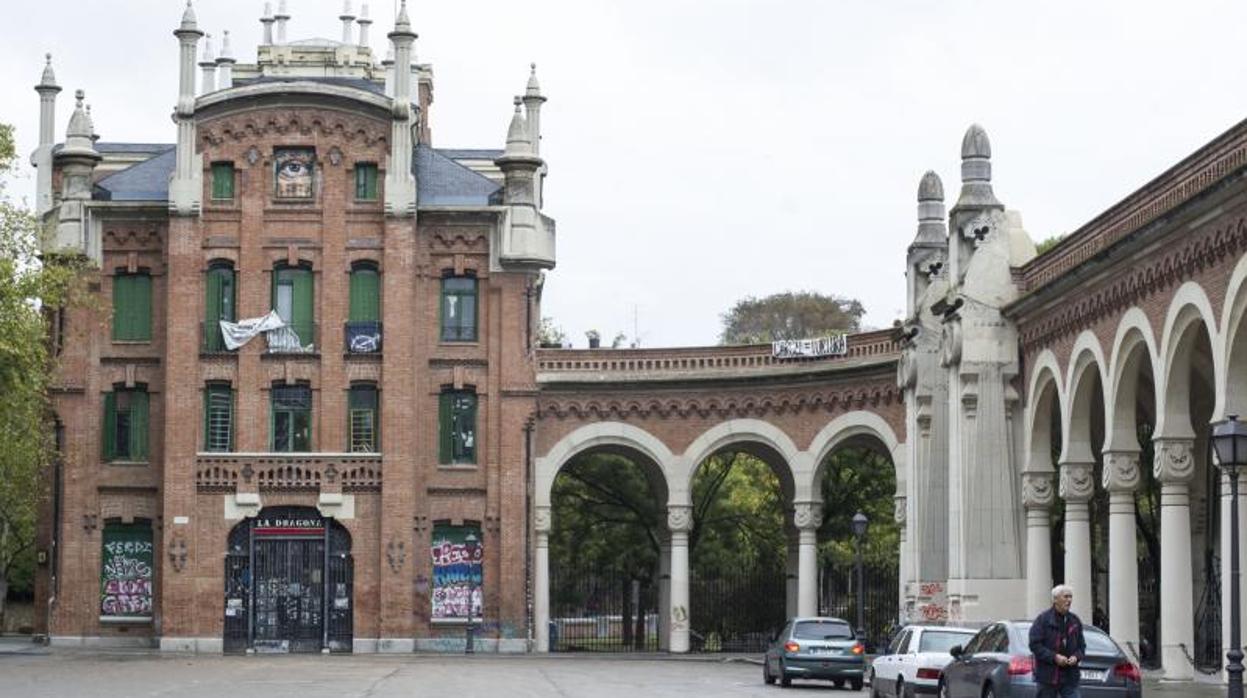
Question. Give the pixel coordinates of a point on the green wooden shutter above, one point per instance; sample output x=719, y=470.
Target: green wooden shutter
x=141, y=300
x=302, y=314
x=445, y=428
x=469, y=427
x=138, y=425
x=122, y=305
x=222, y=180
x=110, y=426
x=365, y=296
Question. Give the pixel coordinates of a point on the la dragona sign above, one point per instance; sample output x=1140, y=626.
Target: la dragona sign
x=831, y=345
x=285, y=526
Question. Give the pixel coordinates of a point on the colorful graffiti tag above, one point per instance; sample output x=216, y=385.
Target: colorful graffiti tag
x=457, y=578
x=126, y=573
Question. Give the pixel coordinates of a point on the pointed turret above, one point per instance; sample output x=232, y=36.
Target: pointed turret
x=225, y=63
x=188, y=19
x=76, y=161
x=932, y=229
x=78, y=135
x=347, y=18
x=282, y=16
x=267, y=20
x=976, y=171
x=519, y=143
x=208, y=64
x=364, y=22
x=528, y=241
x=400, y=184
x=187, y=181
x=41, y=159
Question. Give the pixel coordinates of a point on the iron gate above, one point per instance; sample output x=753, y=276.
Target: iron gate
x=288, y=584
x=880, y=596
x=736, y=610
x=602, y=611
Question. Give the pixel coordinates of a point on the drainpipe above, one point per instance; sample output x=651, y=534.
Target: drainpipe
x=528, y=531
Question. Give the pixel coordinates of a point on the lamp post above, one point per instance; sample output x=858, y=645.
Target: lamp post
x=473, y=567
x=1229, y=440
x=860, y=522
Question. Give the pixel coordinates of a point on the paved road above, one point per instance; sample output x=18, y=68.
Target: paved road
x=40, y=673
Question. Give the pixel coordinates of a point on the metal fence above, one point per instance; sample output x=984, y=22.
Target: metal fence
x=736, y=610
x=838, y=596
x=602, y=611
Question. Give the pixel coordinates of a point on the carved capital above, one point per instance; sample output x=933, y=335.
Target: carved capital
x=679, y=519
x=541, y=519
x=807, y=515
x=898, y=510
x=1077, y=481
x=1121, y=471
x=1037, y=491
x=1174, y=461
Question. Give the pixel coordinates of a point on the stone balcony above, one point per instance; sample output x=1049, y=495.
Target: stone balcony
x=288, y=472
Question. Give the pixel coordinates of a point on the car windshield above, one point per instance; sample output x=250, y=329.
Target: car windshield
x=941, y=640
x=822, y=630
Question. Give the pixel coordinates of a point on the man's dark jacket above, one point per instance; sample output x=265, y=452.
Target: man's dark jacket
x=1051, y=635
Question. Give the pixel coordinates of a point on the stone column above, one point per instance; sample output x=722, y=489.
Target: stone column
x=898, y=515
x=664, y=595
x=679, y=522
x=1037, y=498
x=791, y=570
x=1076, y=487
x=807, y=516
x=1226, y=575
x=541, y=581
x=1121, y=478
x=1174, y=466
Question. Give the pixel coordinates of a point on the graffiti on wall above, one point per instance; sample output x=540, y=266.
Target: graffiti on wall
x=126, y=571
x=457, y=579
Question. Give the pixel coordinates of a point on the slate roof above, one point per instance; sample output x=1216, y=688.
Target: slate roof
x=145, y=181
x=357, y=83
x=440, y=180
x=107, y=147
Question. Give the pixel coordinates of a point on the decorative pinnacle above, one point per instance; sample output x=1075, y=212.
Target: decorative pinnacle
x=976, y=170
x=534, y=88
x=346, y=11
x=209, y=56
x=930, y=188
x=48, y=82
x=931, y=228
x=188, y=18
x=227, y=54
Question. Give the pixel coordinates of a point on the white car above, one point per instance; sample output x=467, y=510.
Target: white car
x=915, y=660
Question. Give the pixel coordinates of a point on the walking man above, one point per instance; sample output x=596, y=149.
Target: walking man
x=1057, y=642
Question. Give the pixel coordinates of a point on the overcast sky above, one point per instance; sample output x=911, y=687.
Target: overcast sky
x=701, y=151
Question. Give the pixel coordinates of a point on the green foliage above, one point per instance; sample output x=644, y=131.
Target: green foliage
x=1048, y=244
x=28, y=286
x=738, y=515
x=858, y=478
x=550, y=334
x=789, y=315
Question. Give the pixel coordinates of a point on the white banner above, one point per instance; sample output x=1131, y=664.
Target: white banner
x=831, y=345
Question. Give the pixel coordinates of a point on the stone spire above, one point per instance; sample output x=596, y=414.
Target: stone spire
x=348, y=18
x=282, y=16
x=976, y=171
x=364, y=22
x=533, y=99
x=77, y=161
x=225, y=63
x=388, y=66
x=187, y=181
x=208, y=64
x=42, y=157
x=267, y=20
x=95, y=136
x=529, y=239
x=400, y=185
x=932, y=228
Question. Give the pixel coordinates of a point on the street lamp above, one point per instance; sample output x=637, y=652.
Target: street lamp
x=470, y=633
x=1229, y=440
x=860, y=522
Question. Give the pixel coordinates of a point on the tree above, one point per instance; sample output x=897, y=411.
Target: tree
x=789, y=315
x=27, y=287
x=550, y=334
x=1048, y=243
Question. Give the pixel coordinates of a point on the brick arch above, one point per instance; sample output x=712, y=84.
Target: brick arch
x=1233, y=400
x=777, y=449
x=598, y=435
x=1134, y=347
x=1045, y=385
x=1086, y=362
x=847, y=426
x=1189, y=311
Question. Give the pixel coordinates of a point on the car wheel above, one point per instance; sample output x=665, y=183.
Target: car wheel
x=766, y=672
x=900, y=687
x=784, y=679
x=838, y=683
x=855, y=684
x=944, y=691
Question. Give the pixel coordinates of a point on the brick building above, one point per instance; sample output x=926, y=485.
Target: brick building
x=299, y=300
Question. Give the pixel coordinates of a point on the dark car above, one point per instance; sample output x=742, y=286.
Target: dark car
x=815, y=648
x=997, y=663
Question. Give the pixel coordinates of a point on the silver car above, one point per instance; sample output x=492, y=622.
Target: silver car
x=915, y=661
x=815, y=648
x=997, y=663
